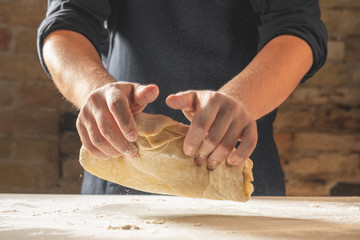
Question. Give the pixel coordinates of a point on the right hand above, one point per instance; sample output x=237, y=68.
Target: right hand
x=106, y=124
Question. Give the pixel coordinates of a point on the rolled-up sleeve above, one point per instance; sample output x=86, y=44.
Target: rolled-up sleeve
x=300, y=18
x=86, y=17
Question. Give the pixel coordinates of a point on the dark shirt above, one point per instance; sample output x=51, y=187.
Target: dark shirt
x=182, y=45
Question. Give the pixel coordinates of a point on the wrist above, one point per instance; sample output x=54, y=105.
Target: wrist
x=94, y=79
x=237, y=98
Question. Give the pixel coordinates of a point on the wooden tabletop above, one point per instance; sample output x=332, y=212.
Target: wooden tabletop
x=30, y=216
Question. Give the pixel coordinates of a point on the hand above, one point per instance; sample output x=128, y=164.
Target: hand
x=218, y=121
x=106, y=124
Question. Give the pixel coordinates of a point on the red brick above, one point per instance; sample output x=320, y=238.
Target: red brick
x=343, y=120
x=72, y=169
x=327, y=142
x=348, y=97
x=66, y=186
x=21, y=68
x=352, y=50
x=4, y=13
x=5, y=38
x=27, y=13
x=27, y=177
x=332, y=74
x=290, y=120
x=22, y=12
x=306, y=188
x=67, y=107
x=339, y=4
x=26, y=41
x=37, y=151
x=309, y=95
x=39, y=95
x=341, y=22
x=283, y=140
x=356, y=74
x=5, y=148
x=326, y=166
x=336, y=50
x=7, y=92
x=19, y=177
x=29, y=122
x=318, y=119
x=70, y=144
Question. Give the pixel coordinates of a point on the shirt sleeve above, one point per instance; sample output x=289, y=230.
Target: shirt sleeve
x=300, y=18
x=86, y=17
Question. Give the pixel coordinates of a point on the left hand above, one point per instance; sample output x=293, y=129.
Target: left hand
x=218, y=121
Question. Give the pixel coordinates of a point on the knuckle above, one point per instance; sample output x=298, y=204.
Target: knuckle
x=110, y=86
x=91, y=148
x=233, y=106
x=202, y=120
x=237, y=109
x=212, y=163
x=126, y=125
x=253, y=140
x=81, y=115
x=246, y=144
x=237, y=157
x=225, y=148
x=199, y=125
x=105, y=129
x=98, y=141
x=229, y=109
x=78, y=123
x=250, y=141
x=211, y=141
x=115, y=103
x=215, y=96
x=93, y=97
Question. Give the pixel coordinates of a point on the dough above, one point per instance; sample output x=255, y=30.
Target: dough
x=162, y=167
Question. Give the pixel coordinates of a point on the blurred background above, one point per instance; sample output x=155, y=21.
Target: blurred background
x=317, y=129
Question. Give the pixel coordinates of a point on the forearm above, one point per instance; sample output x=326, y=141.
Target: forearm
x=74, y=65
x=272, y=75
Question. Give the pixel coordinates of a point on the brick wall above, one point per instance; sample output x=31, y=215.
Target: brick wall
x=317, y=129
x=38, y=144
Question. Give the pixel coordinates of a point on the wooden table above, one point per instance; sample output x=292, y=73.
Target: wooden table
x=25, y=216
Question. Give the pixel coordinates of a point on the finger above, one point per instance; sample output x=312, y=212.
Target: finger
x=247, y=145
x=145, y=94
x=111, y=132
x=199, y=128
x=98, y=140
x=216, y=133
x=85, y=139
x=118, y=105
x=226, y=145
x=183, y=100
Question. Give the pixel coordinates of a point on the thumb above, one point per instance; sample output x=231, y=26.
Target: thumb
x=144, y=94
x=182, y=100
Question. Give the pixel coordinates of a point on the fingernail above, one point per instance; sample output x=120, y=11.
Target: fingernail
x=198, y=161
x=189, y=151
x=132, y=136
x=234, y=161
x=132, y=150
x=212, y=165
